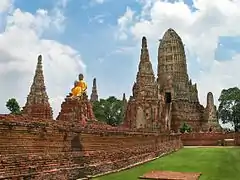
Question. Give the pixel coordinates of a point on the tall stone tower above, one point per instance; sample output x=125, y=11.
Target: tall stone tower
x=143, y=105
x=37, y=104
x=94, y=94
x=172, y=65
x=179, y=92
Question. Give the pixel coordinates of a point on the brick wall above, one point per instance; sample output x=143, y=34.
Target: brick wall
x=44, y=149
x=208, y=138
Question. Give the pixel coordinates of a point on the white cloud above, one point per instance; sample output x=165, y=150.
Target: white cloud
x=5, y=5
x=96, y=2
x=63, y=3
x=20, y=44
x=123, y=23
x=58, y=15
x=99, y=1
x=200, y=30
x=98, y=18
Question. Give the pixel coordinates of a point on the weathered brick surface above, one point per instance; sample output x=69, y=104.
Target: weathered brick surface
x=166, y=101
x=208, y=138
x=110, y=151
x=48, y=149
x=37, y=104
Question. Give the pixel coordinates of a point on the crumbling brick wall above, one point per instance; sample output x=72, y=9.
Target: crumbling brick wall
x=45, y=149
x=208, y=138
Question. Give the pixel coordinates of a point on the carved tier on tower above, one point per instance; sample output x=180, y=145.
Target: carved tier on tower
x=94, y=94
x=142, y=108
x=37, y=104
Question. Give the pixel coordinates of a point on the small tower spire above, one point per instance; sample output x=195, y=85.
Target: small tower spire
x=145, y=70
x=125, y=102
x=124, y=98
x=94, y=94
x=37, y=104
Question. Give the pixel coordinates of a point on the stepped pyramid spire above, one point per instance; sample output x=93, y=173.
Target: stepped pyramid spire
x=94, y=94
x=37, y=104
x=145, y=66
x=145, y=80
x=142, y=110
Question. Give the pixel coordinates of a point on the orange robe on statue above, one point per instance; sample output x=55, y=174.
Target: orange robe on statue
x=79, y=89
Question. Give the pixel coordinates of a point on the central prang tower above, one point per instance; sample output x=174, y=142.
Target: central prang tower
x=179, y=92
x=172, y=66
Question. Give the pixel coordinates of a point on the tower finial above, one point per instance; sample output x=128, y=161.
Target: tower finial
x=40, y=58
x=144, y=42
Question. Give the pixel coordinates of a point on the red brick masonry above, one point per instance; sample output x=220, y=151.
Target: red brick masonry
x=209, y=138
x=45, y=149
x=169, y=175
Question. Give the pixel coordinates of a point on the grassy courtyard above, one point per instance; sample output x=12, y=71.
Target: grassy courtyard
x=213, y=163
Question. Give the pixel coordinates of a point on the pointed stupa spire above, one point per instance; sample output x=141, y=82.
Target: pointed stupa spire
x=144, y=51
x=37, y=104
x=125, y=102
x=145, y=66
x=94, y=94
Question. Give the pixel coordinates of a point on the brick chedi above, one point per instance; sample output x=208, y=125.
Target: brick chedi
x=124, y=100
x=76, y=110
x=37, y=104
x=125, y=103
x=143, y=106
x=94, y=94
x=210, y=115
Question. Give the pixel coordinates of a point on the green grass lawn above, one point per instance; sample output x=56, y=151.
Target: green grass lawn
x=213, y=163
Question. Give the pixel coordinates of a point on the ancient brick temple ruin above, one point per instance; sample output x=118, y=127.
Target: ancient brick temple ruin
x=167, y=101
x=76, y=145
x=37, y=104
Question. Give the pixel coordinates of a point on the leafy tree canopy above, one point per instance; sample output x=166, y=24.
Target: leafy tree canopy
x=229, y=107
x=109, y=110
x=13, y=106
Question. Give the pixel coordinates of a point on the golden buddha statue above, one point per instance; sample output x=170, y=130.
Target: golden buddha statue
x=79, y=88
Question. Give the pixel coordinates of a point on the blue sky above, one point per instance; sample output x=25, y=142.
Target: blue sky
x=106, y=36
x=94, y=40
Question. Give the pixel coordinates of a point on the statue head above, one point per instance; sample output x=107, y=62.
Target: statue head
x=80, y=77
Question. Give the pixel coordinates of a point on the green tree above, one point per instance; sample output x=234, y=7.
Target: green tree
x=109, y=110
x=185, y=128
x=229, y=107
x=13, y=106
